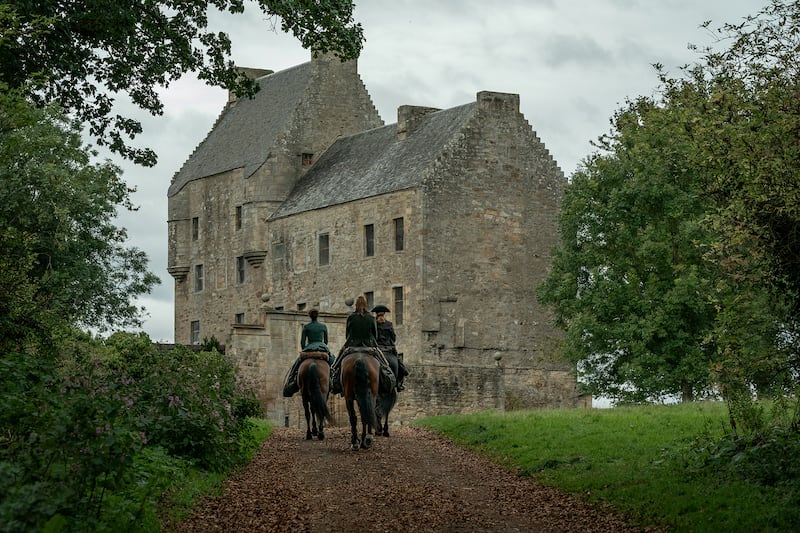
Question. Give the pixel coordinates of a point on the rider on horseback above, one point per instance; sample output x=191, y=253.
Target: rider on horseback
x=314, y=338
x=361, y=330
x=386, y=342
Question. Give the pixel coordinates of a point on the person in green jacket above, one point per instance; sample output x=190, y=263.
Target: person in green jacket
x=313, y=338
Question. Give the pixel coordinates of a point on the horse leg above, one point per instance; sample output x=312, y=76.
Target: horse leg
x=351, y=412
x=308, y=419
x=321, y=434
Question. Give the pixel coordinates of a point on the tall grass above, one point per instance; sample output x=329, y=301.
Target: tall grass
x=643, y=460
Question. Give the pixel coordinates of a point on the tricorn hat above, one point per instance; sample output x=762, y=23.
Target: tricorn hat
x=380, y=309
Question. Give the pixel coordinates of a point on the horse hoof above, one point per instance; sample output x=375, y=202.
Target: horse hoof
x=308, y=435
x=321, y=436
x=354, y=447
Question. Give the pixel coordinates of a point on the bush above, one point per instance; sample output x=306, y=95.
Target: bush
x=79, y=434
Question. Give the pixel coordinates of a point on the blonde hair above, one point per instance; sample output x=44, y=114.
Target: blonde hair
x=361, y=304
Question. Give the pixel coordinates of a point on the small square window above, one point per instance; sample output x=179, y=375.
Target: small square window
x=301, y=307
x=307, y=159
x=239, y=318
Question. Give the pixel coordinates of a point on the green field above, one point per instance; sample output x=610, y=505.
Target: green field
x=644, y=460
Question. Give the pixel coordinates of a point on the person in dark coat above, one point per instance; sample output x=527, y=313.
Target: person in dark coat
x=361, y=329
x=313, y=338
x=387, y=340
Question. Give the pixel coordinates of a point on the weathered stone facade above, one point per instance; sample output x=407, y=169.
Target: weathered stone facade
x=447, y=216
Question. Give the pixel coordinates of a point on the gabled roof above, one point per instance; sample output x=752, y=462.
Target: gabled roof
x=375, y=162
x=245, y=131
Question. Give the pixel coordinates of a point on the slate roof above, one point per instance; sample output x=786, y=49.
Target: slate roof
x=375, y=162
x=245, y=132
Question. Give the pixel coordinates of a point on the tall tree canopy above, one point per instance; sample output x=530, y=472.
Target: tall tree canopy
x=64, y=262
x=81, y=53
x=679, y=264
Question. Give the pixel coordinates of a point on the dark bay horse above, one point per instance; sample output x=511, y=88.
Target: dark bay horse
x=386, y=400
x=360, y=374
x=313, y=376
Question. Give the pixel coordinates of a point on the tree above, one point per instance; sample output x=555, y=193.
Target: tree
x=709, y=170
x=80, y=53
x=63, y=263
x=627, y=273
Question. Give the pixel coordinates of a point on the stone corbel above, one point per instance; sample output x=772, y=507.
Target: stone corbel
x=255, y=258
x=178, y=272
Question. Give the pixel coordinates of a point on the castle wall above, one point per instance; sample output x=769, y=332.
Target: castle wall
x=297, y=278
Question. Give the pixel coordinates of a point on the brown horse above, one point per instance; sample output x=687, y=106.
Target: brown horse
x=360, y=374
x=313, y=376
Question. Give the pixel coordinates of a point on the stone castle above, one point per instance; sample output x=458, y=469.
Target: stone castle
x=301, y=197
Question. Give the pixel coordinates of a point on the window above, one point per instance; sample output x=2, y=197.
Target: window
x=195, y=332
x=370, y=296
x=301, y=307
x=239, y=319
x=324, y=250
x=369, y=240
x=399, y=234
x=195, y=228
x=397, y=293
x=240, y=269
x=307, y=159
x=238, y=217
x=198, y=278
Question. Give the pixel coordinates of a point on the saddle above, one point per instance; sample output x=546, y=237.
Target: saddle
x=387, y=379
x=314, y=355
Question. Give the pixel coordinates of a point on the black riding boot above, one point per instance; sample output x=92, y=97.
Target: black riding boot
x=336, y=382
x=290, y=387
x=402, y=372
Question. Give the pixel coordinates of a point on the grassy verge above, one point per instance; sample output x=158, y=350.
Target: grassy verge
x=632, y=458
x=192, y=483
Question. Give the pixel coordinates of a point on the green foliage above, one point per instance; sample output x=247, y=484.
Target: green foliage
x=81, y=55
x=679, y=263
x=628, y=275
x=641, y=460
x=64, y=262
x=88, y=441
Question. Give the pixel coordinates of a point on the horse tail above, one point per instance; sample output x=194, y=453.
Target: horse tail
x=364, y=397
x=386, y=402
x=318, y=401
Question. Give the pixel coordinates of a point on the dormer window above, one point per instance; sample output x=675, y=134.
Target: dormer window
x=307, y=159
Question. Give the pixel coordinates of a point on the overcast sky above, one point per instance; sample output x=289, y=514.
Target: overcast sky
x=572, y=62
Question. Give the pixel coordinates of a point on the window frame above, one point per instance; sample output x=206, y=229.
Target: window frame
x=398, y=300
x=194, y=332
x=241, y=270
x=369, y=240
x=399, y=234
x=327, y=249
x=199, y=278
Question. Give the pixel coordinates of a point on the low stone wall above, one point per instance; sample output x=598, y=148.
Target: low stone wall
x=447, y=389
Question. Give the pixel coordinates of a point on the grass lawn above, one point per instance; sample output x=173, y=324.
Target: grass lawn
x=630, y=457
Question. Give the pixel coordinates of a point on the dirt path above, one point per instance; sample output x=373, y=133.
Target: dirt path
x=298, y=485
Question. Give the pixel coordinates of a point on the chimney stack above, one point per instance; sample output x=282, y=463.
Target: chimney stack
x=408, y=116
x=252, y=73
